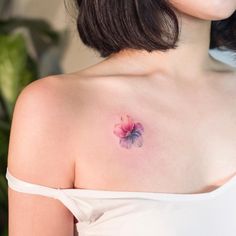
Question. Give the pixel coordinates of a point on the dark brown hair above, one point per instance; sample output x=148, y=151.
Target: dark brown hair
x=109, y=26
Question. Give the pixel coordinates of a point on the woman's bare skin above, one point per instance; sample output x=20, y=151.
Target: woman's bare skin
x=189, y=131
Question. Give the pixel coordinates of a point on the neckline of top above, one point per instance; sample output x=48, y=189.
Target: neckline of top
x=96, y=193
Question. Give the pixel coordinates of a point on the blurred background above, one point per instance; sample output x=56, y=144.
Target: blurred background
x=38, y=38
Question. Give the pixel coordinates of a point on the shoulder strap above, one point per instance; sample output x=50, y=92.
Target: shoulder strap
x=26, y=187
x=57, y=193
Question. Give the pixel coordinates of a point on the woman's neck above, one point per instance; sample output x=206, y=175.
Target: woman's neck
x=191, y=57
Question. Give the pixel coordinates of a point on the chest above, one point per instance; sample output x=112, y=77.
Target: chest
x=188, y=142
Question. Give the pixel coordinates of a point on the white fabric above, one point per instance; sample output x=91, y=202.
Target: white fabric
x=119, y=213
x=225, y=56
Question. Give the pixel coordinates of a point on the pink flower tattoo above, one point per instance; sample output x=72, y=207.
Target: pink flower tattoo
x=129, y=132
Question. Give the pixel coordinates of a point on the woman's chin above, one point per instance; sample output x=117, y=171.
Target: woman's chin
x=222, y=14
x=206, y=9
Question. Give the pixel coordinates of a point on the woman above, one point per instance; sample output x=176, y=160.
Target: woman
x=142, y=143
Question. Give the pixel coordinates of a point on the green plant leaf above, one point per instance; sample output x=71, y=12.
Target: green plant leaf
x=14, y=69
x=43, y=35
x=4, y=138
x=3, y=187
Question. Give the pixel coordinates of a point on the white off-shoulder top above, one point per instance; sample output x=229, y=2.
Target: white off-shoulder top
x=123, y=213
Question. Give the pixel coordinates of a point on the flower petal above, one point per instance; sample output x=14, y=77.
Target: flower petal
x=126, y=142
x=119, y=131
x=139, y=127
x=127, y=123
x=138, y=141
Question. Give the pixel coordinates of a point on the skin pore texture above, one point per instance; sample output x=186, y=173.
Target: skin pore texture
x=182, y=103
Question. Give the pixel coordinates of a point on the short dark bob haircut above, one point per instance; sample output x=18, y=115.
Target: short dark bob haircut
x=109, y=26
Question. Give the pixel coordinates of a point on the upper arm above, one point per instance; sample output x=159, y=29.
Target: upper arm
x=37, y=154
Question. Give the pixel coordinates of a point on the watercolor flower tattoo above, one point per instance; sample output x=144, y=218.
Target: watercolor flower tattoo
x=129, y=132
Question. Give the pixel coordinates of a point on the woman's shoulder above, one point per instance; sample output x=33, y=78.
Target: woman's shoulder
x=39, y=145
x=68, y=95
x=53, y=93
x=92, y=87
